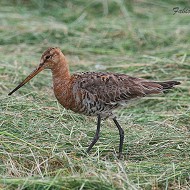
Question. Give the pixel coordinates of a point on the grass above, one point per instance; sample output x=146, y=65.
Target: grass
x=42, y=145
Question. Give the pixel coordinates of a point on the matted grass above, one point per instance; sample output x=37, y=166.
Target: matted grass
x=42, y=145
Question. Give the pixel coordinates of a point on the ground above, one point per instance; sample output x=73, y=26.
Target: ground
x=42, y=145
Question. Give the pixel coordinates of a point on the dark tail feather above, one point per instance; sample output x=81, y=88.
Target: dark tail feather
x=168, y=84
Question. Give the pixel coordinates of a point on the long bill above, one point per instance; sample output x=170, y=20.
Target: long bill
x=29, y=77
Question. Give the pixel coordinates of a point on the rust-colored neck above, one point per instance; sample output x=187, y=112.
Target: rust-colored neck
x=61, y=82
x=61, y=70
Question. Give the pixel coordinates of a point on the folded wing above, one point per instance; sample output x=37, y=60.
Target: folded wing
x=115, y=88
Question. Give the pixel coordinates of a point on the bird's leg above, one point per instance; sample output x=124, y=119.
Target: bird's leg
x=121, y=134
x=96, y=137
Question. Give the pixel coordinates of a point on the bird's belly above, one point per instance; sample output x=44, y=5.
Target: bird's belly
x=94, y=108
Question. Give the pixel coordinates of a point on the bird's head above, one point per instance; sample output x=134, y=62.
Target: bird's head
x=50, y=59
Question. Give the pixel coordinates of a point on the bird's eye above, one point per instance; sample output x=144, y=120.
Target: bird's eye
x=47, y=57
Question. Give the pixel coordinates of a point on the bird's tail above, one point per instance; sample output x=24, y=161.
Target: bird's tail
x=168, y=84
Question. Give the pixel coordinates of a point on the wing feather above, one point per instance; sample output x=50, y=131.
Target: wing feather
x=115, y=88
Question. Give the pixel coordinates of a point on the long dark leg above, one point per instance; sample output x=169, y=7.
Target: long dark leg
x=96, y=137
x=121, y=134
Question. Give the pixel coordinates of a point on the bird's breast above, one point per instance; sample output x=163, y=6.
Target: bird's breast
x=63, y=94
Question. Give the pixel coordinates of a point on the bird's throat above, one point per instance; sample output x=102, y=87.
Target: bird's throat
x=61, y=84
x=61, y=71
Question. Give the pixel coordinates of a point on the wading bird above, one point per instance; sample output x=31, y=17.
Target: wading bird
x=94, y=93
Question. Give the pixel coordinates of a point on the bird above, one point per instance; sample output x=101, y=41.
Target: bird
x=94, y=93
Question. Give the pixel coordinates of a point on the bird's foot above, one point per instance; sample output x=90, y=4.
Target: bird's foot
x=120, y=156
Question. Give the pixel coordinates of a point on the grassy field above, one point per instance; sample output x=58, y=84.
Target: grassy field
x=42, y=145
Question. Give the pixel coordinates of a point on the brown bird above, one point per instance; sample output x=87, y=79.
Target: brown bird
x=94, y=93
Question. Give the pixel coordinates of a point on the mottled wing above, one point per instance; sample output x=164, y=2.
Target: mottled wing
x=114, y=88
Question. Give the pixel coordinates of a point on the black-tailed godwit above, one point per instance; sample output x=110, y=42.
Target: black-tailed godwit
x=94, y=93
